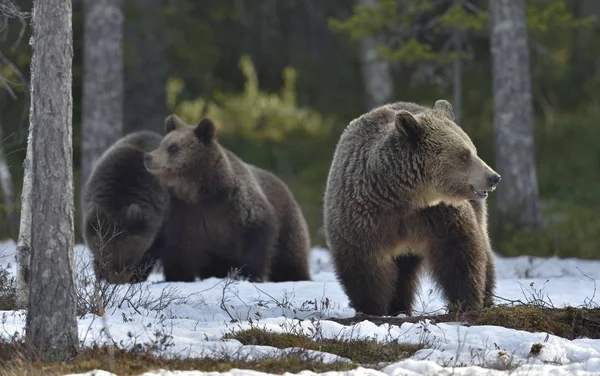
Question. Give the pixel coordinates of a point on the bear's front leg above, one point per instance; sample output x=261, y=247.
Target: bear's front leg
x=176, y=266
x=369, y=282
x=258, y=246
x=408, y=267
x=457, y=255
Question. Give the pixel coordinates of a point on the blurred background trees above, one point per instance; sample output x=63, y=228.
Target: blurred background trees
x=283, y=78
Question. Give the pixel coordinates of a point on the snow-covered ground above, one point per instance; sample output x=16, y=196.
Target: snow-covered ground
x=197, y=315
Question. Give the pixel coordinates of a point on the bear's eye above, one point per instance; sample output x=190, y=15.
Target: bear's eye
x=466, y=156
x=173, y=148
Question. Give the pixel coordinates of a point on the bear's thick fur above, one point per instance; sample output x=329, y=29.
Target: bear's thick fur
x=225, y=213
x=124, y=207
x=406, y=187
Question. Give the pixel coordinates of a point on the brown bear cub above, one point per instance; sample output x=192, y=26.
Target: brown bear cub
x=406, y=187
x=225, y=214
x=124, y=207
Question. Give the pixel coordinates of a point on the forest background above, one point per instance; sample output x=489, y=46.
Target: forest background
x=283, y=78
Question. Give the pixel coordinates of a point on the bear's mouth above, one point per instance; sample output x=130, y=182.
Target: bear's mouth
x=480, y=193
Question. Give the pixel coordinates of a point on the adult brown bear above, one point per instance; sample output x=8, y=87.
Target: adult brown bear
x=406, y=186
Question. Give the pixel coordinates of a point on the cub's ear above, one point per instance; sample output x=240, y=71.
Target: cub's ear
x=407, y=125
x=173, y=122
x=134, y=218
x=205, y=130
x=445, y=108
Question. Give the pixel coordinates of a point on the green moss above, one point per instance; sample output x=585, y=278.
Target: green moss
x=359, y=351
x=567, y=322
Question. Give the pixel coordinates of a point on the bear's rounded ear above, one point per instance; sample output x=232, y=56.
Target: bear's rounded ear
x=173, y=122
x=445, y=108
x=407, y=125
x=205, y=130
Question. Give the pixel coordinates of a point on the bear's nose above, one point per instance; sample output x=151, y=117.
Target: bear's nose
x=494, y=179
x=147, y=157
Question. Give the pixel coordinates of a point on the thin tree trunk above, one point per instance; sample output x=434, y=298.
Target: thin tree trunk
x=51, y=326
x=376, y=72
x=518, y=197
x=102, y=117
x=146, y=69
x=24, y=242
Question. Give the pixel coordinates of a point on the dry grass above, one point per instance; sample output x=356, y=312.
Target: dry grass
x=121, y=362
x=364, y=352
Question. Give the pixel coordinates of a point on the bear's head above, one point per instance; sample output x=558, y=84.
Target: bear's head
x=119, y=248
x=451, y=169
x=189, y=160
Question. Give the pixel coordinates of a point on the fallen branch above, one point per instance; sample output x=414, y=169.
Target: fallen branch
x=394, y=320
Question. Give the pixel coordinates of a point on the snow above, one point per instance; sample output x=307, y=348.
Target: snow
x=193, y=317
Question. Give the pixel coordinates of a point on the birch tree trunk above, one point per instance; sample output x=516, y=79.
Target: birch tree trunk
x=51, y=326
x=24, y=241
x=376, y=72
x=518, y=197
x=102, y=117
x=147, y=68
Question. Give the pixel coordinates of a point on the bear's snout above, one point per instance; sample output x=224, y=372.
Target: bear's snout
x=494, y=180
x=150, y=163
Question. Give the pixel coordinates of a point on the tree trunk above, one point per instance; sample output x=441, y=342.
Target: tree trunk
x=518, y=197
x=376, y=71
x=102, y=117
x=146, y=68
x=24, y=242
x=51, y=327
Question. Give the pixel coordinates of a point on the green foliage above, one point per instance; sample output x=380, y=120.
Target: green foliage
x=255, y=115
x=458, y=18
x=400, y=24
x=553, y=16
x=569, y=182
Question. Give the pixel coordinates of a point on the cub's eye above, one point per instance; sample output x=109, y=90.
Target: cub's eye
x=466, y=156
x=173, y=148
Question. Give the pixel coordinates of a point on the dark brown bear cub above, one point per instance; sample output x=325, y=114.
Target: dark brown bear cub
x=225, y=213
x=406, y=187
x=123, y=211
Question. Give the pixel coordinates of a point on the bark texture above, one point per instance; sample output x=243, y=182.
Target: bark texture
x=51, y=327
x=518, y=197
x=376, y=72
x=146, y=68
x=102, y=117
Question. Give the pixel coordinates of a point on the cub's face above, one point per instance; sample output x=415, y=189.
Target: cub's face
x=452, y=169
x=184, y=151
